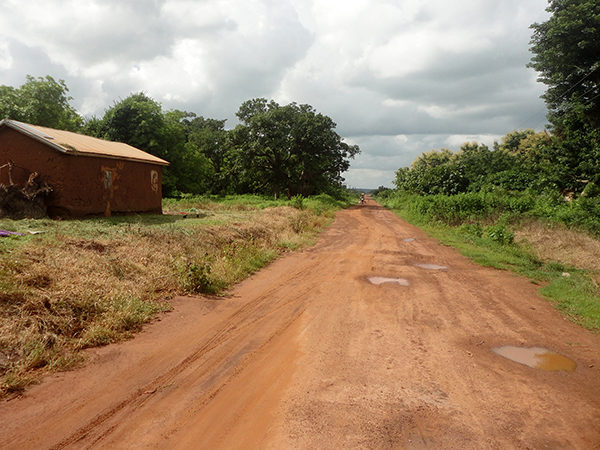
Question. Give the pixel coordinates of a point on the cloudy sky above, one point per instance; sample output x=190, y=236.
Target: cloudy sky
x=399, y=77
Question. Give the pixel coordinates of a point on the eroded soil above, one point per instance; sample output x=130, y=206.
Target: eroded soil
x=308, y=354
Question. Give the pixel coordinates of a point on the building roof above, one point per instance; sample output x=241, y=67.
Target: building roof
x=82, y=145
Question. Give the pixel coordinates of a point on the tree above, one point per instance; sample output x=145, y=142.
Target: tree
x=567, y=56
x=138, y=121
x=289, y=149
x=208, y=138
x=41, y=101
x=432, y=158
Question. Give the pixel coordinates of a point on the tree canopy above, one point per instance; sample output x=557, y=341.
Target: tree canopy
x=41, y=101
x=138, y=120
x=567, y=56
x=277, y=150
x=291, y=149
x=566, y=52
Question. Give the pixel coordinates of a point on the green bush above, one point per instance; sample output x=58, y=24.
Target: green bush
x=471, y=230
x=591, y=190
x=500, y=234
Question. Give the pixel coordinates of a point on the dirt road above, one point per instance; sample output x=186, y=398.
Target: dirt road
x=310, y=354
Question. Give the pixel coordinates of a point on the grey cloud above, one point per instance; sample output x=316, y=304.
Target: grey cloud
x=209, y=56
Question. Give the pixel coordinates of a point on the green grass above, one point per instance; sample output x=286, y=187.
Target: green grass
x=577, y=297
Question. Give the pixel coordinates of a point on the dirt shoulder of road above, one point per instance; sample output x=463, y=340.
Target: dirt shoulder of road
x=310, y=353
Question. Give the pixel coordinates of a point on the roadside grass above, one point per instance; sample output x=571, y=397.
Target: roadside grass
x=83, y=283
x=564, y=261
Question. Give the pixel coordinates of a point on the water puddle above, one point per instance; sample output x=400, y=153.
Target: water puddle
x=431, y=266
x=538, y=358
x=408, y=240
x=381, y=280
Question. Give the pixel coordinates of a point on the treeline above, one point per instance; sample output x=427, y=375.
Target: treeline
x=522, y=161
x=276, y=150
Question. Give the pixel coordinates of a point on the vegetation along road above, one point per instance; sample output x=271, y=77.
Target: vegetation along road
x=375, y=338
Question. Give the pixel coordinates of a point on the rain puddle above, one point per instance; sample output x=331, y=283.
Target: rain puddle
x=408, y=240
x=380, y=280
x=431, y=266
x=538, y=358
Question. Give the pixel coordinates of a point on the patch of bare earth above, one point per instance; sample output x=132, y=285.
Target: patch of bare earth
x=309, y=354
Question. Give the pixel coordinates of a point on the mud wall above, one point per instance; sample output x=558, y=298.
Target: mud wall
x=82, y=185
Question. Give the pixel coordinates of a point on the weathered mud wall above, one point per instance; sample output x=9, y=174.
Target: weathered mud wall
x=81, y=185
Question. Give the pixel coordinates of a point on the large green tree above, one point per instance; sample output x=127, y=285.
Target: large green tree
x=137, y=120
x=40, y=101
x=567, y=56
x=291, y=149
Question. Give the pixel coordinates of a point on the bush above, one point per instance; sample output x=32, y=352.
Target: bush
x=500, y=234
x=512, y=180
x=471, y=230
x=591, y=190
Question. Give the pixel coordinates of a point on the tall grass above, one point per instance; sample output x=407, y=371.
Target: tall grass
x=583, y=213
x=84, y=283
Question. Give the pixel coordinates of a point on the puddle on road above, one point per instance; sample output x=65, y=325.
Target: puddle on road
x=538, y=358
x=431, y=266
x=381, y=280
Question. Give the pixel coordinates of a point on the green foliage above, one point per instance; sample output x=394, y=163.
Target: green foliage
x=473, y=168
x=471, y=230
x=277, y=150
x=197, y=280
x=591, y=190
x=566, y=49
x=208, y=139
x=41, y=101
x=289, y=150
x=514, y=180
x=448, y=179
x=575, y=295
x=297, y=201
x=500, y=234
x=433, y=158
x=382, y=192
x=140, y=121
x=583, y=212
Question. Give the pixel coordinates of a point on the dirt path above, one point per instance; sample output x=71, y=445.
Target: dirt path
x=309, y=354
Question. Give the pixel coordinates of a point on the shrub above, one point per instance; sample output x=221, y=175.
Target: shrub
x=500, y=234
x=471, y=230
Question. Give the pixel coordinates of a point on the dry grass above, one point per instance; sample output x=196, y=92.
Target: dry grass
x=559, y=244
x=88, y=283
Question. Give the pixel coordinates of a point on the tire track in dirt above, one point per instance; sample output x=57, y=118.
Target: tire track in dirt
x=309, y=354
x=139, y=398
x=232, y=329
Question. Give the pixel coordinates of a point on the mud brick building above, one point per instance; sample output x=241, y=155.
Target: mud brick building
x=88, y=176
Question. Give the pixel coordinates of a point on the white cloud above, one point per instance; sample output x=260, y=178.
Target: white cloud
x=6, y=59
x=398, y=77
